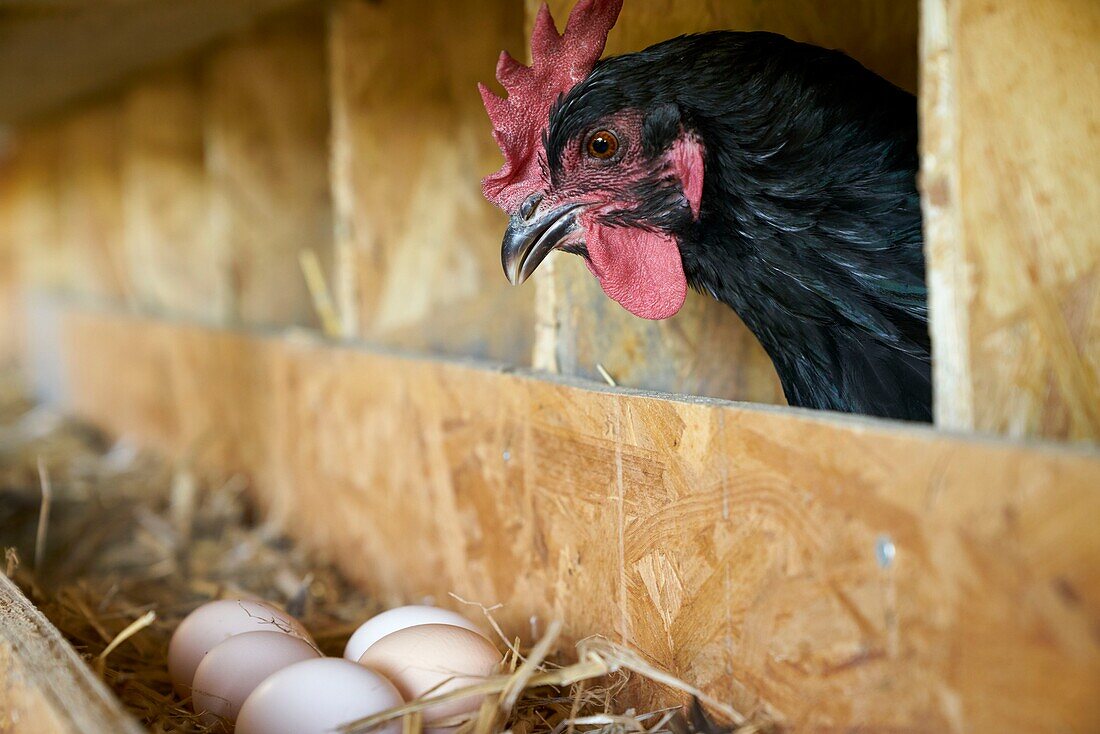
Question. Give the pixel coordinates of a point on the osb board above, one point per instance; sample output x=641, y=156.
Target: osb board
x=176, y=267
x=705, y=349
x=745, y=549
x=267, y=128
x=1012, y=196
x=90, y=200
x=57, y=52
x=419, y=245
x=45, y=688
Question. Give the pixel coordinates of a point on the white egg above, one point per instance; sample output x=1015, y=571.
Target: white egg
x=432, y=659
x=232, y=670
x=316, y=697
x=213, y=623
x=390, y=621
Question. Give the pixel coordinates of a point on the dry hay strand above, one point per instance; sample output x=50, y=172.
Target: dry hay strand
x=129, y=544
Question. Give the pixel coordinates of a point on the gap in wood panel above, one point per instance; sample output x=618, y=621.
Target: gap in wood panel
x=705, y=349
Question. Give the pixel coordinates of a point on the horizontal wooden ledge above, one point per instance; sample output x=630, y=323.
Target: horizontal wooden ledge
x=836, y=571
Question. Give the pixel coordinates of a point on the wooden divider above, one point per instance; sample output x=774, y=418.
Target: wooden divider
x=266, y=119
x=90, y=201
x=9, y=263
x=32, y=194
x=420, y=246
x=835, y=572
x=1012, y=200
x=704, y=350
x=175, y=266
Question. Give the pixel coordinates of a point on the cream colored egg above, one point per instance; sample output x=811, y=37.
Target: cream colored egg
x=232, y=670
x=316, y=697
x=436, y=658
x=213, y=623
x=392, y=620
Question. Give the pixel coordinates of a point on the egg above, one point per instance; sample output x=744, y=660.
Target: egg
x=380, y=625
x=434, y=658
x=203, y=629
x=233, y=669
x=317, y=696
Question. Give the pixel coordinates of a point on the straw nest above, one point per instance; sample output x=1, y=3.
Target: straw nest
x=116, y=546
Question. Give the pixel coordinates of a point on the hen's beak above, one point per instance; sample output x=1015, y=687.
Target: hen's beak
x=529, y=239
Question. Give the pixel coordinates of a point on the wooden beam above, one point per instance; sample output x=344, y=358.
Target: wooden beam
x=175, y=266
x=45, y=688
x=53, y=55
x=1010, y=183
x=420, y=264
x=267, y=130
x=837, y=572
x=705, y=349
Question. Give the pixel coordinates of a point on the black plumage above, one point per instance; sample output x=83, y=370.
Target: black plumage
x=809, y=226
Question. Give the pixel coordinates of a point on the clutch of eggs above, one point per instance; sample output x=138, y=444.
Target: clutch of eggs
x=251, y=663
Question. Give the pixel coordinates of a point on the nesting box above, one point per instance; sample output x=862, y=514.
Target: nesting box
x=258, y=226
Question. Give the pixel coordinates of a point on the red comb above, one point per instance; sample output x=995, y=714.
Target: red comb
x=558, y=62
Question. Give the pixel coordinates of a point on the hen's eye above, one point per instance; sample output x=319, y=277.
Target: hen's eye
x=603, y=145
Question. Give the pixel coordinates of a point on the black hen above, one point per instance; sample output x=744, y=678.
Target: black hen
x=776, y=176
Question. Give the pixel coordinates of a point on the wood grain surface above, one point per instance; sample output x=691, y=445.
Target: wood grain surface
x=837, y=573
x=90, y=214
x=45, y=688
x=266, y=120
x=175, y=266
x=1011, y=184
x=419, y=245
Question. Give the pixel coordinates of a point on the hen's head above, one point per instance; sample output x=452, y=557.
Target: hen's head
x=612, y=177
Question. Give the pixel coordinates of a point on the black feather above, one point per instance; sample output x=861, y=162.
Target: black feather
x=810, y=222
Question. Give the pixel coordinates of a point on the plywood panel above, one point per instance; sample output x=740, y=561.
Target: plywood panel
x=1012, y=196
x=175, y=266
x=839, y=573
x=90, y=200
x=267, y=131
x=705, y=349
x=419, y=245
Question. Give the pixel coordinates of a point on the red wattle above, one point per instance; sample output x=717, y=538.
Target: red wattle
x=640, y=270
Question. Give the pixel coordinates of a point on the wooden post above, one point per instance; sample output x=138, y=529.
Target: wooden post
x=1011, y=187
x=174, y=265
x=705, y=349
x=267, y=132
x=420, y=247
